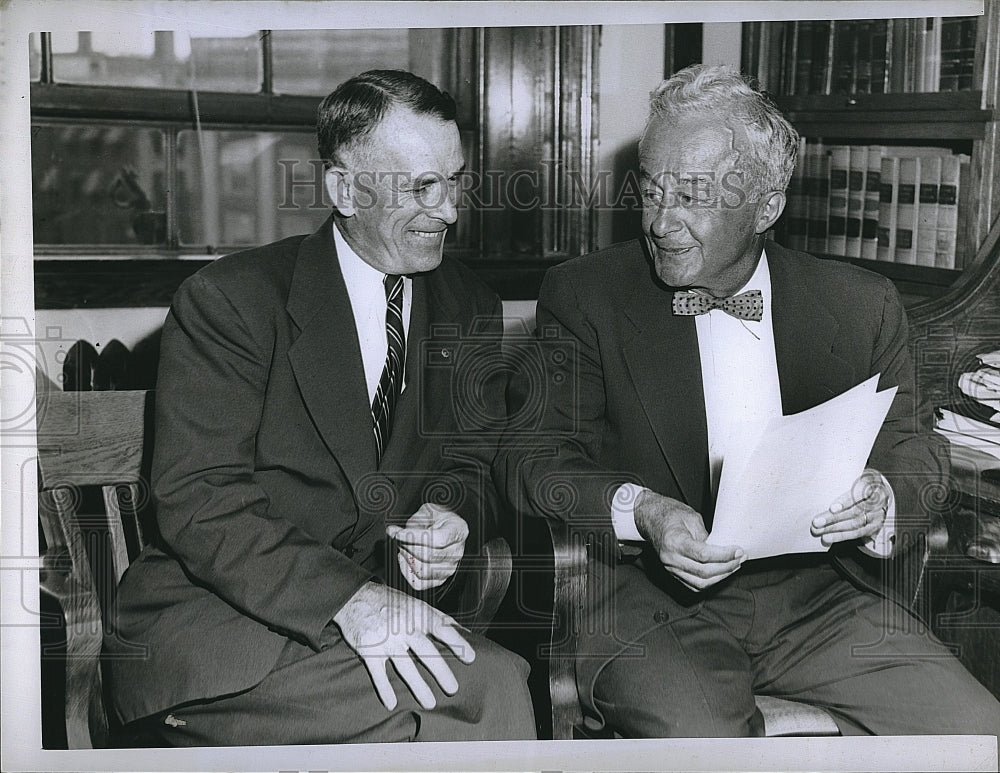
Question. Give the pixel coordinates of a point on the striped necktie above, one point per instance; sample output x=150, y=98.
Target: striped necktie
x=391, y=383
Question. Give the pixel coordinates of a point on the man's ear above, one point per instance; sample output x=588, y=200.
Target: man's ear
x=769, y=209
x=339, y=188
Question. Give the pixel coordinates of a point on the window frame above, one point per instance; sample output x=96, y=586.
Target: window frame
x=563, y=121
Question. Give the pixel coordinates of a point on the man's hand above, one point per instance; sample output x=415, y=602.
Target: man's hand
x=430, y=545
x=856, y=515
x=678, y=533
x=382, y=624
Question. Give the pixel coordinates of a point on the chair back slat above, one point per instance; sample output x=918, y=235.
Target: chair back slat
x=119, y=504
x=67, y=577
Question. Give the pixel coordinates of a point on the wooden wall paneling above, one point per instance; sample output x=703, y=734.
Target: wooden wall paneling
x=577, y=133
x=538, y=127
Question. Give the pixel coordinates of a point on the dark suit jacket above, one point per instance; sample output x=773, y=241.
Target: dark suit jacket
x=271, y=507
x=621, y=399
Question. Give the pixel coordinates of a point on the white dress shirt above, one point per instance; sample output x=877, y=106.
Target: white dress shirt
x=366, y=290
x=739, y=372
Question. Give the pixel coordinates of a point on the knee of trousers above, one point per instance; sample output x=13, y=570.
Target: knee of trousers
x=631, y=702
x=499, y=677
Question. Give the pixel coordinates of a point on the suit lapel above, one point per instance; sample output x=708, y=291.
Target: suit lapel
x=326, y=356
x=804, y=334
x=665, y=368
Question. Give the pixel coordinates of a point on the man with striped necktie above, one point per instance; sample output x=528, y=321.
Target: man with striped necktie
x=315, y=489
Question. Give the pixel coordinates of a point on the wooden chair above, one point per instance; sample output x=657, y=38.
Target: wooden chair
x=103, y=439
x=89, y=439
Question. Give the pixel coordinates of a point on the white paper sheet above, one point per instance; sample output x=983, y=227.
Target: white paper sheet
x=776, y=479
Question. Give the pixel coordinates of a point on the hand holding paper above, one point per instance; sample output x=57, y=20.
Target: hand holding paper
x=858, y=514
x=775, y=481
x=678, y=534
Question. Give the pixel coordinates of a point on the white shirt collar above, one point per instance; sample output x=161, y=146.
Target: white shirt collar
x=366, y=291
x=357, y=273
x=760, y=280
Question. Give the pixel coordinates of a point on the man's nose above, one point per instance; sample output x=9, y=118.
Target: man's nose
x=665, y=220
x=447, y=211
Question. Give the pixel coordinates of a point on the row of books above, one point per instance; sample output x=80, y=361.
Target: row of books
x=869, y=56
x=974, y=420
x=880, y=202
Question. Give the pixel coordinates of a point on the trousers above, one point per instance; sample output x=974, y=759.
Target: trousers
x=328, y=697
x=802, y=633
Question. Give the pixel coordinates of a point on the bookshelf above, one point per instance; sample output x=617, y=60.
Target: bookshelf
x=895, y=88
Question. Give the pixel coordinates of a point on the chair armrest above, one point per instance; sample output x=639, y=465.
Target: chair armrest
x=569, y=592
x=486, y=582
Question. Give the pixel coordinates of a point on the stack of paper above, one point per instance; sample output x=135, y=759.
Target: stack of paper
x=777, y=478
x=975, y=421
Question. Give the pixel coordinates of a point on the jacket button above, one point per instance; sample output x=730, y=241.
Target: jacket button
x=661, y=616
x=349, y=551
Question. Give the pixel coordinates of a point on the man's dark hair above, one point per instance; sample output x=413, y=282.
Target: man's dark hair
x=349, y=114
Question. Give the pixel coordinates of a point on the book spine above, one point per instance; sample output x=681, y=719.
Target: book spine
x=897, y=56
x=927, y=212
x=947, y=222
x=967, y=53
x=845, y=56
x=821, y=73
x=951, y=53
x=857, y=172
x=764, y=56
x=840, y=162
x=863, y=58
x=961, y=242
x=789, y=57
x=819, y=202
x=869, y=223
x=888, y=186
x=771, y=63
x=749, y=47
x=906, y=210
x=920, y=55
x=880, y=50
x=804, y=56
x=796, y=212
x=932, y=64
x=913, y=53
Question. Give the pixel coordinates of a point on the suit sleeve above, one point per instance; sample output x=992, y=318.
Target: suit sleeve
x=547, y=463
x=213, y=517
x=906, y=451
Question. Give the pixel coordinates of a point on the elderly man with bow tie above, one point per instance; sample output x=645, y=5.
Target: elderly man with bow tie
x=678, y=337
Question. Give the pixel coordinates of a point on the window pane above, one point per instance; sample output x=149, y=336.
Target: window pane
x=241, y=188
x=34, y=57
x=314, y=62
x=163, y=59
x=98, y=185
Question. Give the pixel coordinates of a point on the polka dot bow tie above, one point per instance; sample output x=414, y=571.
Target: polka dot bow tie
x=748, y=305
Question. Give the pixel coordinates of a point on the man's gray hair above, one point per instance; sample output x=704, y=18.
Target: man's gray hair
x=720, y=91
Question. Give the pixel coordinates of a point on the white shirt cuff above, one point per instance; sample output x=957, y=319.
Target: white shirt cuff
x=623, y=512
x=881, y=544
